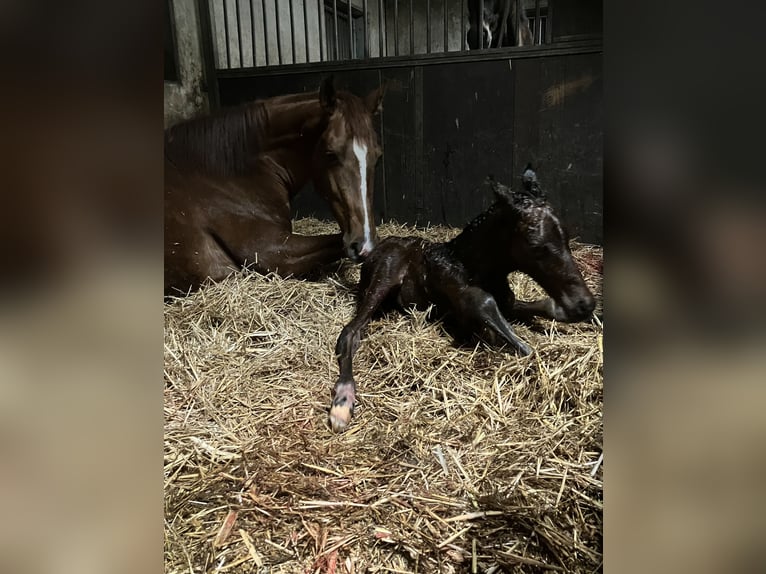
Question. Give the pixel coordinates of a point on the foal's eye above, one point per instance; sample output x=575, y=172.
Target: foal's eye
x=332, y=157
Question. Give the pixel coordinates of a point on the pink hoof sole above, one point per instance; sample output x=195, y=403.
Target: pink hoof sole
x=340, y=417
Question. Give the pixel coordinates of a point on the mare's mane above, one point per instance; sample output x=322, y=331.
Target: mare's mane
x=217, y=144
x=224, y=143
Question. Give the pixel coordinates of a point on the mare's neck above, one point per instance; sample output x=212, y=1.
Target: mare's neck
x=291, y=129
x=287, y=121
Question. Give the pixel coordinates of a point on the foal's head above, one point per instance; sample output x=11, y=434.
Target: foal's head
x=344, y=164
x=540, y=248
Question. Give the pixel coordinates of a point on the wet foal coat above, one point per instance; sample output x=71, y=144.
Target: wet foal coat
x=230, y=180
x=466, y=280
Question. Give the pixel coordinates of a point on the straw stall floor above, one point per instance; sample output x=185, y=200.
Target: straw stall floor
x=457, y=460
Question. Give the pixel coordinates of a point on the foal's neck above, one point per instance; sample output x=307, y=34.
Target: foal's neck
x=482, y=246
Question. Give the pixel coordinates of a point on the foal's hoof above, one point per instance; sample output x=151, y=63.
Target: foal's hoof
x=342, y=408
x=523, y=349
x=340, y=417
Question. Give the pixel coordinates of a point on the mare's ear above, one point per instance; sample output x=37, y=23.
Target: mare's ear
x=501, y=191
x=327, y=94
x=374, y=100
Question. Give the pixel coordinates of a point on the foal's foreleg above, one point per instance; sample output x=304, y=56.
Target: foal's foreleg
x=344, y=392
x=478, y=311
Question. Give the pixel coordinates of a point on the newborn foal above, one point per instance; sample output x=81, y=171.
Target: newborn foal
x=466, y=280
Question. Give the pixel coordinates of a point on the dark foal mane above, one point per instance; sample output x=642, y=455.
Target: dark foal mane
x=217, y=144
x=508, y=206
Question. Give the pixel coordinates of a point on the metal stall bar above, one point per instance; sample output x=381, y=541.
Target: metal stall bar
x=335, y=27
x=462, y=25
x=479, y=24
x=279, y=32
x=396, y=27
x=252, y=31
x=412, y=31
x=208, y=54
x=292, y=29
x=351, y=51
x=226, y=34
x=381, y=20
x=239, y=33
x=322, y=29
x=306, y=29
x=428, y=26
x=446, y=27
x=265, y=31
x=538, y=28
x=366, y=40
x=548, y=21
x=517, y=27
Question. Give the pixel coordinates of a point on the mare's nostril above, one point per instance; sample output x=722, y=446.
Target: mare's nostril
x=355, y=251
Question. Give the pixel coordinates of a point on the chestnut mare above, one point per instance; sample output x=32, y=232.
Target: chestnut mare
x=230, y=179
x=466, y=280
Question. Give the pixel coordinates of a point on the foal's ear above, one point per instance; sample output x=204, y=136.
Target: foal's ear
x=327, y=94
x=501, y=191
x=529, y=182
x=374, y=100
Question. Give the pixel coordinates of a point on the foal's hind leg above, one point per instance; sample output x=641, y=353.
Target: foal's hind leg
x=476, y=310
x=515, y=310
x=375, y=289
x=499, y=288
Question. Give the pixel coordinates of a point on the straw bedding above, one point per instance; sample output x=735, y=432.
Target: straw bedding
x=457, y=460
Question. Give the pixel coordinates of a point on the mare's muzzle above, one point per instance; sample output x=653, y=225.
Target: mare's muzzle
x=358, y=249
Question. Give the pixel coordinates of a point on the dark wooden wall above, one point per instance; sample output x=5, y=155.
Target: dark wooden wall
x=446, y=126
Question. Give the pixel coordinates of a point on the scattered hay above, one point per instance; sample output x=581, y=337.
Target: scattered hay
x=457, y=460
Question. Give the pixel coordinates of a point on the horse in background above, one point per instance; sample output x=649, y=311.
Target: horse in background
x=466, y=280
x=230, y=179
x=497, y=25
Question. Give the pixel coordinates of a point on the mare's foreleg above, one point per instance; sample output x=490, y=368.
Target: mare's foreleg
x=477, y=311
x=377, y=289
x=269, y=247
x=299, y=255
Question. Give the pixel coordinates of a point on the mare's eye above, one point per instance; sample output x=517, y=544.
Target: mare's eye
x=332, y=157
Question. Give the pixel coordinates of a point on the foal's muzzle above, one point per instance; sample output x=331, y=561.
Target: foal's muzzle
x=577, y=308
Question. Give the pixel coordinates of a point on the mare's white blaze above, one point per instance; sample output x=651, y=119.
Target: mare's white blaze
x=360, y=151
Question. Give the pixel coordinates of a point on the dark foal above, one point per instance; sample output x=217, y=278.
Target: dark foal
x=466, y=280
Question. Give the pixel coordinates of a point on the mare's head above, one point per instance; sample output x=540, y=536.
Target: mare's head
x=344, y=164
x=540, y=247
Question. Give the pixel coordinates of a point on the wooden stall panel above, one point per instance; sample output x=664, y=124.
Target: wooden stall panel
x=467, y=135
x=559, y=128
